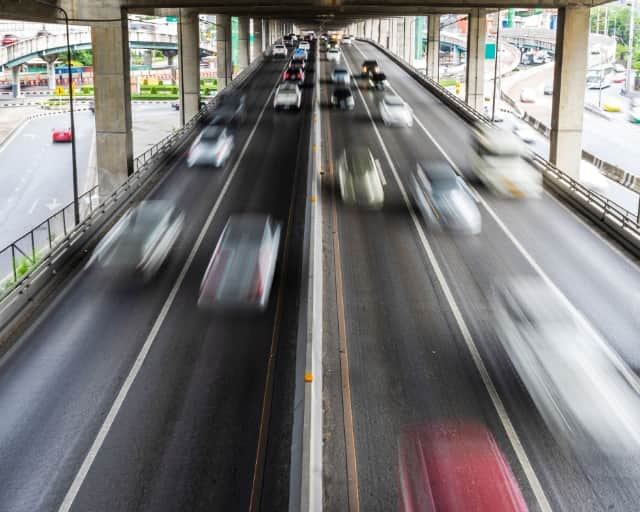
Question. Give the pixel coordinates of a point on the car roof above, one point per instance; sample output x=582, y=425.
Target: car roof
x=393, y=99
x=212, y=131
x=288, y=85
x=439, y=172
x=368, y=62
x=248, y=225
x=358, y=160
x=342, y=91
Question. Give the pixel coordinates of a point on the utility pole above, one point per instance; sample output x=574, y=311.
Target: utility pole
x=630, y=82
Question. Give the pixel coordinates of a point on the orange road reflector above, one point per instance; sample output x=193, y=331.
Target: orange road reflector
x=308, y=377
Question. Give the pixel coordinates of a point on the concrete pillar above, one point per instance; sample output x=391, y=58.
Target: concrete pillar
x=189, y=56
x=15, y=81
x=148, y=58
x=384, y=32
x=223, y=38
x=476, y=38
x=572, y=45
x=265, y=35
x=243, y=42
x=51, y=70
x=408, y=26
x=433, y=47
x=367, y=29
x=112, y=96
x=255, y=44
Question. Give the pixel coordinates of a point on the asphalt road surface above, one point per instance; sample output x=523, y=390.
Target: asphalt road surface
x=416, y=326
x=186, y=435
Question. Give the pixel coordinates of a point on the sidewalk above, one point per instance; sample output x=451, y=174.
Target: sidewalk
x=12, y=118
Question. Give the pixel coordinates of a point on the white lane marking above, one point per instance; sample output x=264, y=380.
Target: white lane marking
x=379, y=169
x=33, y=206
x=72, y=493
x=510, y=430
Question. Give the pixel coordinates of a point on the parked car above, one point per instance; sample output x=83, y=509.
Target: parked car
x=288, y=95
x=212, y=147
x=342, y=97
x=279, y=50
x=141, y=240
x=444, y=199
x=455, y=466
x=8, y=39
x=395, y=111
x=359, y=178
x=231, y=108
x=240, y=272
x=369, y=67
x=61, y=135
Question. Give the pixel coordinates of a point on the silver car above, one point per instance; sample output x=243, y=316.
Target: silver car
x=240, y=273
x=444, y=199
x=395, y=111
x=140, y=241
x=360, y=179
x=212, y=147
x=340, y=76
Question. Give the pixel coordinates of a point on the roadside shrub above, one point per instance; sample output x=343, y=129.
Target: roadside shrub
x=153, y=91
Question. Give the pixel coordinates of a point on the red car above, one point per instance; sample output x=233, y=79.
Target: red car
x=61, y=135
x=8, y=39
x=450, y=467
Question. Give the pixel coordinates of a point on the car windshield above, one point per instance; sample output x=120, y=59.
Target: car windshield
x=359, y=161
x=393, y=101
x=370, y=64
x=211, y=134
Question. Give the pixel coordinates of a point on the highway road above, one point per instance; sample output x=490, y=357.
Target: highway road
x=36, y=173
x=408, y=329
x=186, y=434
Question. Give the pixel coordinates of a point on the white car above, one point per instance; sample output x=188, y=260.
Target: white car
x=525, y=133
x=583, y=390
x=359, y=178
x=348, y=40
x=141, y=240
x=212, y=147
x=304, y=45
x=340, y=76
x=395, y=111
x=279, y=50
x=333, y=54
x=288, y=95
x=240, y=272
x=528, y=95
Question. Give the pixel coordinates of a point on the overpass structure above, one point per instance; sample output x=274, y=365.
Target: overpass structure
x=126, y=396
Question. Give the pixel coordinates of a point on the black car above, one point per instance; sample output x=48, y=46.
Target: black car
x=378, y=81
x=369, y=67
x=342, y=97
x=231, y=108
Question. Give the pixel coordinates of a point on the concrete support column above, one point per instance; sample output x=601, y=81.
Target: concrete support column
x=255, y=45
x=51, y=75
x=572, y=45
x=367, y=29
x=243, y=42
x=384, y=32
x=433, y=47
x=476, y=38
x=408, y=27
x=15, y=82
x=189, y=56
x=148, y=58
x=223, y=48
x=112, y=96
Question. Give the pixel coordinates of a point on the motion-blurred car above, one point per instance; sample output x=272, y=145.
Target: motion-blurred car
x=288, y=95
x=340, y=76
x=583, y=390
x=43, y=33
x=92, y=106
x=294, y=74
x=287, y=40
x=61, y=135
x=212, y=147
x=455, y=467
x=231, y=108
x=298, y=63
x=444, y=199
x=611, y=104
x=300, y=53
x=304, y=45
x=498, y=160
x=359, y=178
x=369, y=67
x=634, y=115
x=279, y=50
x=525, y=133
x=528, y=95
x=378, y=81
x=141, y=240
x=394, y=111
x=333, y=54
x=548, y=89
x=347, y=40
x=175, y=105
x=8, y=39
x=342, y=97
x=240, y=273
x=498, y=117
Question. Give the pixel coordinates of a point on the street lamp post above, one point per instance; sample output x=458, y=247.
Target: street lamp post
x=629, y=86
x=496, y=70
x=76, y=206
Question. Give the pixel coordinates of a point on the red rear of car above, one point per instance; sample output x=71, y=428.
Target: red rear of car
x=61, y=135
x=8, y=39
x=453, y=467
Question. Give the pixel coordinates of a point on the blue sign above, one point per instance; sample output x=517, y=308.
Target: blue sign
x=65, y=70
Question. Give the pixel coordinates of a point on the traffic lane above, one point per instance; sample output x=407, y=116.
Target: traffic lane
x=36, y=173
x=193, y=412
x=61, y=378
x=473, y=265
x=554, y=227
x=408, y=363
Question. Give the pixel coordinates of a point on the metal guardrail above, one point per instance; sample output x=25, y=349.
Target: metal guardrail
x=25, y=261
x=611, y=215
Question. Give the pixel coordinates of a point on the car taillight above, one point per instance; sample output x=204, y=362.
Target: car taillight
x=286, y=75
x=258, y=287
